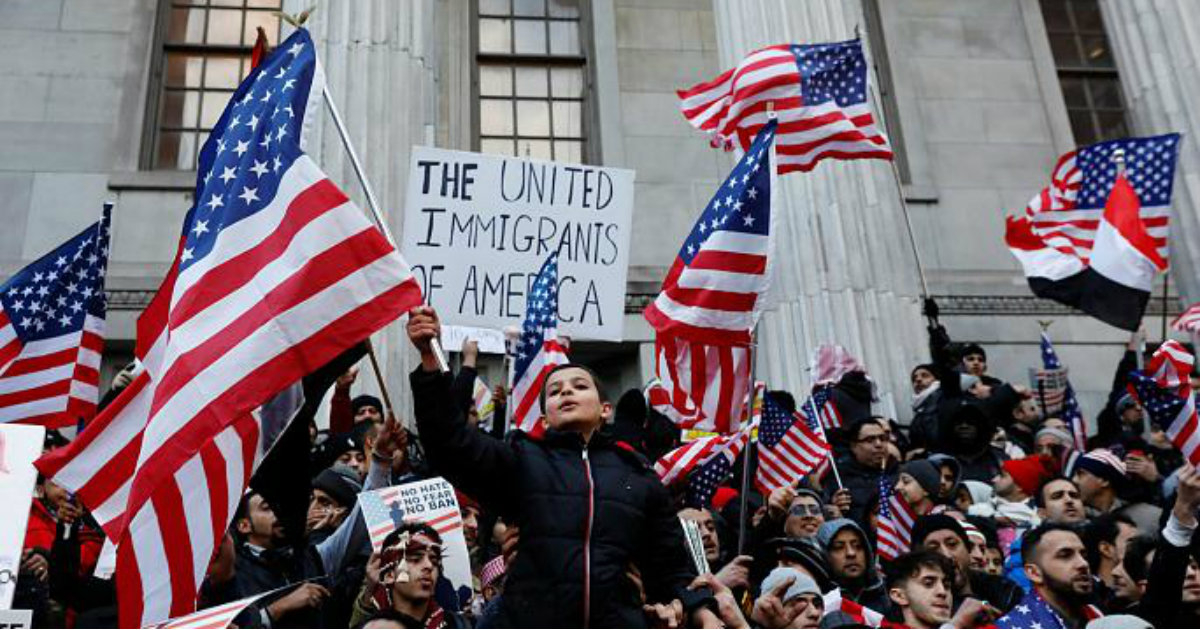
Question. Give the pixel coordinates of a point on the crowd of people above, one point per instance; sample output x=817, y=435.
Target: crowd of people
x=1014, y=526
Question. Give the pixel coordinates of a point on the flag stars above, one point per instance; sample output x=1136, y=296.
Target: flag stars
x=200, y=228
x=295, y=49
x=241, y=147
x=186, y=255
x=216, y=201
x=259, y=168
x=253, y=122
x=289, y=84
x=249, y=195
x=227, y=174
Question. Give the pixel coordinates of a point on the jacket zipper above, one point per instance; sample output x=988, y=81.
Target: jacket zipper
x=587, y=542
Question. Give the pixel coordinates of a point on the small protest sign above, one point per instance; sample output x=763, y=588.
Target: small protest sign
x=431, y=502
x=20, y=444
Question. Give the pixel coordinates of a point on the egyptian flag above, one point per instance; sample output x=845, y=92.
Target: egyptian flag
x=1114, y=284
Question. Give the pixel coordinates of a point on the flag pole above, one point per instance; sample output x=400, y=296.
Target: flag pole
x=373, y=205
x=748, y=453
x=912, y=239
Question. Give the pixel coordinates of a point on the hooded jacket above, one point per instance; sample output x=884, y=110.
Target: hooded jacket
x=587, y=511
x=870, y=590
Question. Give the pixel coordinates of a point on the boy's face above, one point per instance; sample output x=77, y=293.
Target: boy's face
x=573, y=402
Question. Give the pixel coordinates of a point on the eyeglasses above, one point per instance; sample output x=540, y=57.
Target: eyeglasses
x=801, y=509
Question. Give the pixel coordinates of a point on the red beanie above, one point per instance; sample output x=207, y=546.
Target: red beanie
x=722, y=497
x=1030, y=472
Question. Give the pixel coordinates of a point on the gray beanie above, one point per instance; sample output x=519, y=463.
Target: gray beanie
x=926, y=474
x=802, y=585
x=829, y=529
x=1119, y=621
x=1063, y=437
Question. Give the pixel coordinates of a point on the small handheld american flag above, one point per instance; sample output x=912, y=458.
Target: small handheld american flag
x=894, y=527
x=539, y=349
x=788, y=447
x=1071, y=412
x=52, y=332
x=818, y=90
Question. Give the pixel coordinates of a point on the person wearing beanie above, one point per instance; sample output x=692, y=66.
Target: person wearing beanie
x=788, y=599
x=803, y=555
x=366, y=408
x=951, y=476
x=1020, y=479
x=974, y=362
x=918, y=484
x=1100, y=475
x=335, y=491
x=927, y=392
x=947, y=536
x=1052, y=441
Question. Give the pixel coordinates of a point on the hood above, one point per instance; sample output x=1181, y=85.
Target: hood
x=831, y=528
x=939, y=460
x=964, y=410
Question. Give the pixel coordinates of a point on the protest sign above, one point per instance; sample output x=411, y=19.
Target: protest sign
x=431, y=502
x=19, y=445
x=490, y=341
x=478, y=227
x=16, y=618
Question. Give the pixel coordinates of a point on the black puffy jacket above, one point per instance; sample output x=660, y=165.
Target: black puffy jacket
x=587, y=513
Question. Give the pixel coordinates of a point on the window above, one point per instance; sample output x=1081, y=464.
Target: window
x=204, y=51
x=1086, y=69
x=531, y=79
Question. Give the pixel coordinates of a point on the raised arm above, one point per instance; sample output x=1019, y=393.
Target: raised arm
x=474, y=462
x=1164, y=590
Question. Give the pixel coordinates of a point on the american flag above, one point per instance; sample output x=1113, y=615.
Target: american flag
x=819, y=92
x=716, y=289
x=682, y=461
x=1070, y=412
x=820, y=405
x=1034, y=612
x=700, y=386
x=868, y=617
x=277, y=273
x=703, y=482
x=1067, y=213
x=789, y=447
x=1189, y=320
x=896, y=518
x=52, y=332
x=539, y=349
x=1163, y=389
x=383, y=516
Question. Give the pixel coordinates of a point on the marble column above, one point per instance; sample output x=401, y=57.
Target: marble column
x=848, y=274
x=381, y=66
x=1157, y=47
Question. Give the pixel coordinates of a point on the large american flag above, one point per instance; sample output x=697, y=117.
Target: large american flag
x=539, y=349
x=52, y=332
x=717, y=287
x=1067, y=213
x=819, y=92
x=790, y=446
x=277, y=273
x=1164, y=390
x=894, y=527
x=700, y=386
x=1071, y=411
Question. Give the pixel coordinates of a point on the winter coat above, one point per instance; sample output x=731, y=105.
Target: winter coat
x=587, y=513
x=863, y=484
x=870, y=590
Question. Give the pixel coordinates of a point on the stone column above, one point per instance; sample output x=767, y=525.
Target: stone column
x=381, y=66
x=848, y=274
x=1157, y=46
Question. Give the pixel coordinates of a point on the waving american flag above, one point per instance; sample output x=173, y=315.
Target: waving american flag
x=1164, y=390
x=790, y=446
x=819, y=92
x=539, y=350
x=1070, y=410
x=52, y=332
x=277, y=274
x=896, y=519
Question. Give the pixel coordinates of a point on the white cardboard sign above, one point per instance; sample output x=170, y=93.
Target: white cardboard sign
x=20, y=445
x=478, y=227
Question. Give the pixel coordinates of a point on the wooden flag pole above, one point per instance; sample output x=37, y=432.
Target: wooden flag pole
x=748, y=452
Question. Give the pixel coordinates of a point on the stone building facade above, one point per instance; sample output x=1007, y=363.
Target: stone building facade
x=109, y=99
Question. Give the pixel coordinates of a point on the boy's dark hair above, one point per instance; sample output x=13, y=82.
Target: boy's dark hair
x=595, y=381
x=390, y=614
x=909, y=565
x=784, y=399
x=1103, y=528
x=1135, y=557
x=855, y=428
x=412, y=528
x=1038, y=499
x=1033, y=538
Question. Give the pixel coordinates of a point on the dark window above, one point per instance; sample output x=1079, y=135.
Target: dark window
x=531, y=87
x=1086, y=69
x=203, y=54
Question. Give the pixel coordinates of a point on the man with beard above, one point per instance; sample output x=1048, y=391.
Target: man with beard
x=852, y=563
x=1057, y=501
x=945, y=535
x=736, y=574
x=1057, y=566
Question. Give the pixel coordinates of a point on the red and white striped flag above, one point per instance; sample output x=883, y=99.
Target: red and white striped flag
x=790, y=446
x=819, y=92
x=1189, y=320
x=868, y=617
x=52, y=332
x=278, y=273
x=679, y=463
x=896, y=518
x=700, y=386
x=538, y=351
x=1165, y=390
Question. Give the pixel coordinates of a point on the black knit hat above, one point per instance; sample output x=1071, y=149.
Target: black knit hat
x=341, y=483
x=364, y=400
x=806, y=554
x=974, y=348
x=931, y=523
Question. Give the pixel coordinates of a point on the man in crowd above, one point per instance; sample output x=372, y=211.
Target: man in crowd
x=945, y=535
x=1057, y=566
x=918, y=485
x=1107, y=537
x=859, y=471
x=1012, y=502
x=919, y=588
x=852, y=562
